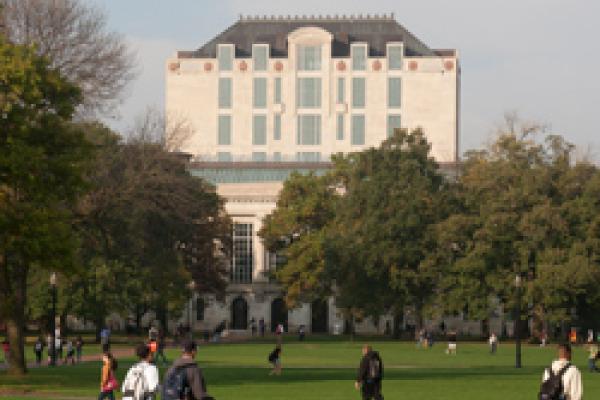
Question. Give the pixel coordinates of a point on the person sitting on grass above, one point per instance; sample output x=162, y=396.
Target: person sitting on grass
x=141, y=381
x=275, y=359
x=370, y=375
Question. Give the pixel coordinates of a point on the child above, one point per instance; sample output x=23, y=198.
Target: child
x=275, y=359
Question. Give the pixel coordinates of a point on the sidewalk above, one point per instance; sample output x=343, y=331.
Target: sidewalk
x=119, y=352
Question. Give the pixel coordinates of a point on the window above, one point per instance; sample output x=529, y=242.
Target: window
x=341, y=90
x=259, y=130
x=260, y=56
x=277, y=156
x=359, y=57
x=308, y=156
x=394, y=56
x=225, y=57
x=394, y=92
x=309, y=93
x=393, y=123
x=340, y=127
x=259, y=156
x=274, y=261
x=224, y=134
x=309, y=129
x=358, y=130
x=277, y=96
x=243, y=260
x=199, y=309
x=224, y=92
x=358, y=92
x=309, y=58
x=224, y=156
x=260, y=93
x=277, y=127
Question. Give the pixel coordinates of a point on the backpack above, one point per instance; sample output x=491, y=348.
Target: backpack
x=176, y=386
x=374, y=373
x=273, y=356
x=552, y=388
x=135, y=385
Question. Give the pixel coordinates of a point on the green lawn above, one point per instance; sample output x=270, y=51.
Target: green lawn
x=325, y=370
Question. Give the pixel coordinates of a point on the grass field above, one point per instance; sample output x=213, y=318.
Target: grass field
x=326, y=370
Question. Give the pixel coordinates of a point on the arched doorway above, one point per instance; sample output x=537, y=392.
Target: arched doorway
x=279, y=314
x=239, y=314
x=320, y=316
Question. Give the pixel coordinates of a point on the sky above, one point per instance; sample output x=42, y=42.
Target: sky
x=538, y=58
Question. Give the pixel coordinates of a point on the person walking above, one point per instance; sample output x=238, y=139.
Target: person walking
x=70, y=353
x=370, y=375
x=593, y=356
x=141, y=381
x=160, y=348
x=79, y=348
x=105, y=338
x=493, y=343
x=562, y=380
x=261, y=327
x=301, y=333
x=452, y=338
x=253, y=326
x=184, y=380
x=6, y=351
x=275, y=360
x=38, y=349
x=108, y=380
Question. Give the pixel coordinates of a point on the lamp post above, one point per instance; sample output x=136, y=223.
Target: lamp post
x=518, y=323
x=192, y=287
x=52, y=346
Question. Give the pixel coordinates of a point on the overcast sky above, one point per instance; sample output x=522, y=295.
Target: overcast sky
x=540, y=58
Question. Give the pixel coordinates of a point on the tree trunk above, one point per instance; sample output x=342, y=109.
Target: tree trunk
x=15, y=317
x=398, y=319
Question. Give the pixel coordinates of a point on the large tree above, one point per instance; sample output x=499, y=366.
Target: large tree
x=524, y=208
x=73, y=35
x=42, y=159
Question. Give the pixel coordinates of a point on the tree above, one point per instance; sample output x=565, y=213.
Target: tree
x=522, y=210
x=42, y=164
x=361, y=232
x=297, y=229
x=148, y=228
x=394, y=195
x=74, y=37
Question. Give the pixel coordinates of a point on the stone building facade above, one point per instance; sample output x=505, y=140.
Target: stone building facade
x=273, y=95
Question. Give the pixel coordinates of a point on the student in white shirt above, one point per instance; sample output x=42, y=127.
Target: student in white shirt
x=141, y=382
x=571, y=379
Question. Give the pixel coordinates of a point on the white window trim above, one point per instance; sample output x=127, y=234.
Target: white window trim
x=354, y=46
x=387, y=58
x=255, y=45
x=232, y=47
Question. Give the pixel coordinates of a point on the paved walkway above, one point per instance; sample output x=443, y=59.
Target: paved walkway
x=118, y=353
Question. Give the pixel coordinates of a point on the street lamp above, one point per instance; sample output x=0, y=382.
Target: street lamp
x=518, y=322
x=192, y=287
x=52, y=345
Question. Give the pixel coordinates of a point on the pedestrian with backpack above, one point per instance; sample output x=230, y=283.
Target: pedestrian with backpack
x=370, y=375
x=184, y=380
x=141, y=381
x=562, y=381
x=275, y=359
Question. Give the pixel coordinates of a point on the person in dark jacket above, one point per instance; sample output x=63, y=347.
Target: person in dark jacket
x=370, y=374
x=196, y=386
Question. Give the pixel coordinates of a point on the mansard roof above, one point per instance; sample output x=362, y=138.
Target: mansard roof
x=376, y=31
